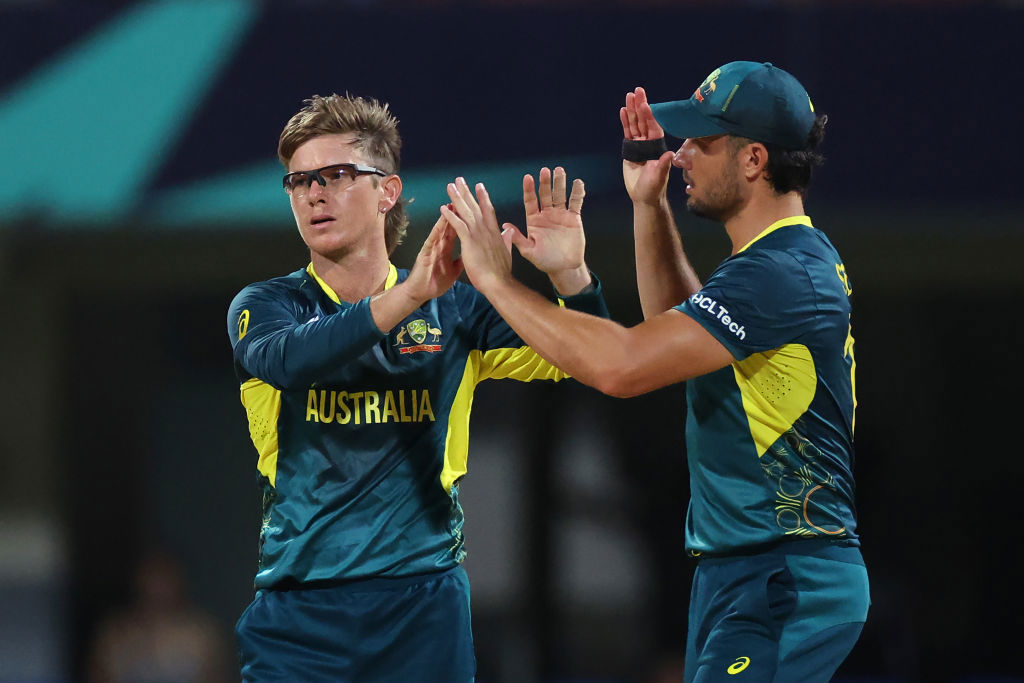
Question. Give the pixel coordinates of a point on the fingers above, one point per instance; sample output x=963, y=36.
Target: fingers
x=645, y=117
x=638, y=122
x=549, y=192
x=464, y=203
x=630, y=128
x=576, y=198
x=485, y=199
x=664, y=162
x=435, y=234
x=470, y=213
x=456, y=268
x=558, y=188
x=440, y=229
x=485, y=213
x=507, y=237
x=453, y=219
x=529, y=196
x=544, y=187
x=642, y=109
x=516, y=237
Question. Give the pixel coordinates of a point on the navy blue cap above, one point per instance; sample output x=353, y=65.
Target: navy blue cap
x=754, y=100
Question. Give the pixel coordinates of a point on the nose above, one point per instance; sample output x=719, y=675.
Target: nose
x=677, y=159
x=680, y=158
x=315, y=191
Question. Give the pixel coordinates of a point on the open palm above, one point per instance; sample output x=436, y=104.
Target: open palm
x=554, y=239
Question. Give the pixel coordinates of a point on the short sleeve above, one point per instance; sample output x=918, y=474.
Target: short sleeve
x=754, y=302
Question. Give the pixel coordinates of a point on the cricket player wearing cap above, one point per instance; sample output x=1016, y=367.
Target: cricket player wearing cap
x=765, y=346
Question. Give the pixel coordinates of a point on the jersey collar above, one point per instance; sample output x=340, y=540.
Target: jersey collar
x=792, y=220
x=389, y=282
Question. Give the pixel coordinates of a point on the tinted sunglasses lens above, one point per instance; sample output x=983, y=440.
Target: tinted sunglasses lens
x=294, y=181
x=338, y=172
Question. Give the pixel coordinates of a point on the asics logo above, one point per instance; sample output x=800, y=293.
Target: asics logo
x=738, y=666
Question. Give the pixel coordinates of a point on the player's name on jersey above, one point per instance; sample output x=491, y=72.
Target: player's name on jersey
x=369, y=407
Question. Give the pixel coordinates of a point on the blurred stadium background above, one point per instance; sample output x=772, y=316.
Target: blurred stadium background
x=139, y=191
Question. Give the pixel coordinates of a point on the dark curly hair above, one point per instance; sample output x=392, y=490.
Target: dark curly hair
x=790, y=170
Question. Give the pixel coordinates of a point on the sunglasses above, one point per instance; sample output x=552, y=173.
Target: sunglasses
x=298, y=182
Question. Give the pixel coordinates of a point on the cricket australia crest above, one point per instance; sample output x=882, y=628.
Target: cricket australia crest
x=708, y=86
x=417, y=332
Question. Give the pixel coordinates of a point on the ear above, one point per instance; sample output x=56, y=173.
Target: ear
x=753, y=160
x=390, y=191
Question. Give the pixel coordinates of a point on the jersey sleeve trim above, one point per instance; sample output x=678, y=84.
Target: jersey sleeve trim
x=523, y=364
x=591, y=301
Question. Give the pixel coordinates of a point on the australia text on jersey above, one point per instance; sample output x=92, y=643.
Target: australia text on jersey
x=714, y=308
x=367, y=407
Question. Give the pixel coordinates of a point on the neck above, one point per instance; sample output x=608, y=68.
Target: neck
x=353, y=276
x=760, y=212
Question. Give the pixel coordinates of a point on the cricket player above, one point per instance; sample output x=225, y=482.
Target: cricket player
x=357, y=378
x=765, y=347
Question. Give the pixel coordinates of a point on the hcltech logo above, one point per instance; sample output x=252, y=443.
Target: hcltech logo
x=719, y=312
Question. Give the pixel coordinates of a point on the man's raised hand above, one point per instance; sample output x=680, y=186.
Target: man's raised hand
x=554, y=241
x=434, y=271
x=645, y=181
x=486, y=252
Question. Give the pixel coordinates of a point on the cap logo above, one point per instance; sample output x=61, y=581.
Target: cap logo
x=708, y=86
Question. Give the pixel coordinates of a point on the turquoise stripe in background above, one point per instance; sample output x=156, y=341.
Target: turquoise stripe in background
x=107, y=110
x=253, y=197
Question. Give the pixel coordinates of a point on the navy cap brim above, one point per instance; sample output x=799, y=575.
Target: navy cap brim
x=682, y=120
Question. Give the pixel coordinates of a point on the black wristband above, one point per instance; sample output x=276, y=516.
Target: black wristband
x=643, y=150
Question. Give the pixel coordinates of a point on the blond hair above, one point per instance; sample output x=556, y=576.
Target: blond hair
x=376, y=135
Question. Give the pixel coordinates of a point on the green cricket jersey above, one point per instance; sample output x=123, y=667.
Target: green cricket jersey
x=363, y=435
x=770, y=437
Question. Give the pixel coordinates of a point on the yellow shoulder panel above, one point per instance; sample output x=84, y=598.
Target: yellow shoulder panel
x=777, y=388
x=522, y=364
x=456, y=442
x=263, y=406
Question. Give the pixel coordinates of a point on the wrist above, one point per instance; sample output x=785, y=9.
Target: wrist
x=493, y=286
x=657, y=203
x=571, y=281
x=408, y=294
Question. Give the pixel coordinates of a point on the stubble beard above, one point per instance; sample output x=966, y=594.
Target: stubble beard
x=722, y=200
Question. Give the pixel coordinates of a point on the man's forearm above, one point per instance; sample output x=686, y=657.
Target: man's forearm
x=664, y=276
x=392, y=306
x=589, y=348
